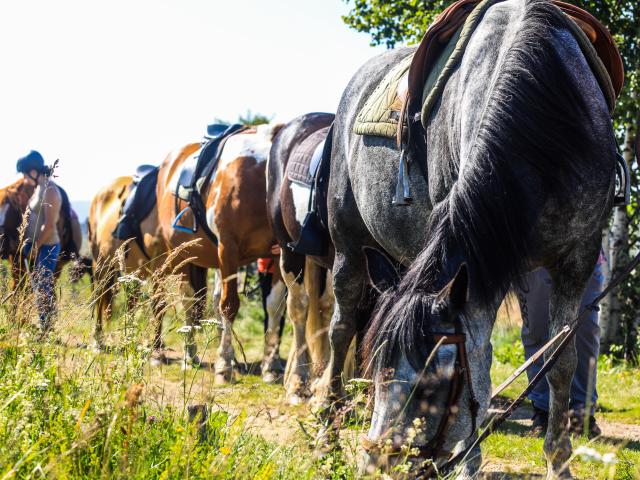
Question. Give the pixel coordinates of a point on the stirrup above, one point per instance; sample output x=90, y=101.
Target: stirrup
x=181, y=228
x=622, y=196
x=403, y=194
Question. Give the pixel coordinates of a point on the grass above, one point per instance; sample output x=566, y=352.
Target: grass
x=69, y=412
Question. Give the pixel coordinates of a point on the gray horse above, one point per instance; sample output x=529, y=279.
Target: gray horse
x=521, y=173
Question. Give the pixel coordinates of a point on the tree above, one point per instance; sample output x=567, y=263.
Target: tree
x=390, y=22
x=252, y=119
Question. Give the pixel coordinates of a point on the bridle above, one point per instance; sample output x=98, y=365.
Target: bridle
x=461, y=375
x=433, y=449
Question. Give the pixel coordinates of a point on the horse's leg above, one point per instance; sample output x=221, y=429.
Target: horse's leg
x=216, y=294
x=197, y=284
x=296, y=375
x=103, y=283
x=569, y=281
x=348, y=281
x=275, y=303
x=158, y=306
x=326, y=306
x=229, y=305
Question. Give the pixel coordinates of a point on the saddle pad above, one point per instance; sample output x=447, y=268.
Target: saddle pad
x=305, y=158
x=380, y=114
x=138, y=205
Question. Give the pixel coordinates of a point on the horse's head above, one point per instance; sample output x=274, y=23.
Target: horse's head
x=13, y=203
x=417, y=355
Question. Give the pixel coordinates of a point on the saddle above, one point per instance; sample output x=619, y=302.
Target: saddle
x=138, y=205
x=309, y=166
x=600, y=50
x=196, y=172
x=414, y=85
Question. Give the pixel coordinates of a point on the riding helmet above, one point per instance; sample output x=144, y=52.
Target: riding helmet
x=31, y=161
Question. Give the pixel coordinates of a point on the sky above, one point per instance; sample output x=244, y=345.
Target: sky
x=105, y=86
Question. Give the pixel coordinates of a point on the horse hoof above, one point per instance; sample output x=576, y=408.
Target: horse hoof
x=224, y=377
x=295, y=399
x=190, y=362
x=271, y=377
x=157, y=359
x=563, y=475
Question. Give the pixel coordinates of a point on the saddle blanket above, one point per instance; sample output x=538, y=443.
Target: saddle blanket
x=305, y=158
x=138, y=205
x=442, y=49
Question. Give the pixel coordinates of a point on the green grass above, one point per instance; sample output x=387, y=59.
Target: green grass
x=69, y=412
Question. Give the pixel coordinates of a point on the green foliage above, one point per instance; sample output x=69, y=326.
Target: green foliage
x=253, y=119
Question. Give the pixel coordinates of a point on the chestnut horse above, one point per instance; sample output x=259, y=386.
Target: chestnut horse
x=104, y=214
x=235, y=200
x=14, y=200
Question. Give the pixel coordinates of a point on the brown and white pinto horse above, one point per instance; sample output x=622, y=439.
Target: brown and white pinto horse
x=14, y=200
x=104, y=213
x=235, y=200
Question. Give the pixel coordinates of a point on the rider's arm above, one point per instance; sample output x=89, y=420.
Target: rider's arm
x=51, y=205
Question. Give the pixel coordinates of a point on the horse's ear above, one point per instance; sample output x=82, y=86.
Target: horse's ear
x=455, y=294
x=383, y=274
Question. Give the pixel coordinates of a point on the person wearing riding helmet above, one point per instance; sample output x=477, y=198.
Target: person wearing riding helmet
x=534, y=307
x=42, y=242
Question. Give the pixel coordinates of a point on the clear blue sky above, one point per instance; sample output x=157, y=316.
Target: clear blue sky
x=107, y=85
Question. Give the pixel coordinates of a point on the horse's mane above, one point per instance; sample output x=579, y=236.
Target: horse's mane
x=528, y=148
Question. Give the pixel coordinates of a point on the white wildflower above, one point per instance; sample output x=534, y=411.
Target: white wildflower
x=588, y=454
x=188, y=328
x=591, y=455
x=211, y=322
x=131, y=278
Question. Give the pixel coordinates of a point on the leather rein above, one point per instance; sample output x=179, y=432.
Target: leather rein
x=461, y=374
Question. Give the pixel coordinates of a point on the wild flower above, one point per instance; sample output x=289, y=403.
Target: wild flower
x=589, y=454
x=185, y=329
x=131, y=279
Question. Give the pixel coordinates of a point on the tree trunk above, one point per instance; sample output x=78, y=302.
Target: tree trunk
x=612, y=323
x=605, y=304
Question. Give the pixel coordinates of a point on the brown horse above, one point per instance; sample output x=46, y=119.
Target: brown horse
x=235, y=200
x=104, y=213
x=14, y=200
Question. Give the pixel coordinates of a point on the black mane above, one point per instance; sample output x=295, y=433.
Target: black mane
x=529, y=149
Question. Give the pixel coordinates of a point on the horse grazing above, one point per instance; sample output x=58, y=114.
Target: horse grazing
x=14, y=201
x=520, y=173
x=310, y=294
x=235, y=201
x=104, y=212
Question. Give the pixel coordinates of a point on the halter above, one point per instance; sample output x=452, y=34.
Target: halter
x=461, y=374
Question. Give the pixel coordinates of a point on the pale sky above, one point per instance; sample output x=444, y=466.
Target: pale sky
x=105, y=86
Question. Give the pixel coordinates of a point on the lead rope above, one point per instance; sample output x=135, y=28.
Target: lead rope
x=569, y=333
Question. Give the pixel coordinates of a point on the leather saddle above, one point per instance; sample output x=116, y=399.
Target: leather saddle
x=194, y=175
x=452, y=18
x=138, y=205
x=309, y=166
